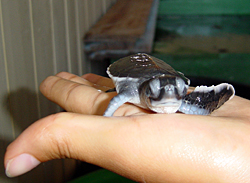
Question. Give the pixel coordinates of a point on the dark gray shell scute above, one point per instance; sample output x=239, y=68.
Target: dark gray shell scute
x=141, y=66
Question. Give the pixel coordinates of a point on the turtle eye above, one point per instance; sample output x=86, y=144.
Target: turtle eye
x=155, y=87
x=181, y=86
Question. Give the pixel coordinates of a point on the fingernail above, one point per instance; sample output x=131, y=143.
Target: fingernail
x=20, y=165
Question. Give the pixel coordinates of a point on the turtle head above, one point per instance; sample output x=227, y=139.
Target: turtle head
x=164, y=94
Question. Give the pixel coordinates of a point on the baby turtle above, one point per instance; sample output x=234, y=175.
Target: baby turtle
x=152, y=84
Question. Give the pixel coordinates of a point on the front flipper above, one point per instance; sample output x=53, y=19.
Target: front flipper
x=204, y=100
x=116, y=102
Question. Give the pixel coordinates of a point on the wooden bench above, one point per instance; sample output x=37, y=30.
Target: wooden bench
x=128, y=27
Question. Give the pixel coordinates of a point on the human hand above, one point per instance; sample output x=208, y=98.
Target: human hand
x=136, y=143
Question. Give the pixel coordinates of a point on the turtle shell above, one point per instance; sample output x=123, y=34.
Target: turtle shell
x=142, y=66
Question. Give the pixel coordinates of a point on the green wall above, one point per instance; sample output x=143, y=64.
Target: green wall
x=208, y=7
x=205, y=24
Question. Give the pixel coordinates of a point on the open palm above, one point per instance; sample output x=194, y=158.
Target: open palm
x=137, y=143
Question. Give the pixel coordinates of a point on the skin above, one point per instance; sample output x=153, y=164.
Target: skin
x=136, y=143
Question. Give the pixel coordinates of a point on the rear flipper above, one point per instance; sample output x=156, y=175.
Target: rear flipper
x=204, y=100
x=115, y=103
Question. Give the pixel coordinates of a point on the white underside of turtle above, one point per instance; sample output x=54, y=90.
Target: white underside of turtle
x=152, y=84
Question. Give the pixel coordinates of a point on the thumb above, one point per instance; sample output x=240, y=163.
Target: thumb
x=62, y=135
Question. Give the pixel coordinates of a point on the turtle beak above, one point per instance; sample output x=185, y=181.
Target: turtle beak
x=168, y=102
x=168, y=106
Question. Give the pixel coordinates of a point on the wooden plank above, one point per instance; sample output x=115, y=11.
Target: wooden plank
x=128, y=27
x=119, y=23
x=145, y=43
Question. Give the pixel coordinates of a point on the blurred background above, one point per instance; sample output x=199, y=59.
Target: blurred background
x=207, y=40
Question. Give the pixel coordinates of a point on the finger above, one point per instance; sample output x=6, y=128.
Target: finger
x=64, y=135
x=73, y=77
x=79, y=97
x=81, y=80
x=237, y=107
x=75, y=97
x=99, y=80
x=93, y=139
